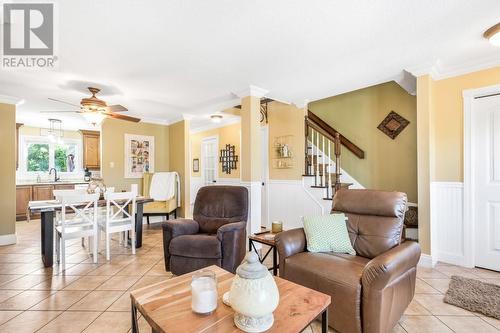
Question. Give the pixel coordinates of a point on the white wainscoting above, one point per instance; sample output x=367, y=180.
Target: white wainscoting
x=447, y=222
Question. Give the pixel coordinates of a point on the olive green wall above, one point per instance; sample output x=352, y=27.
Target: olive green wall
x=388, y=164
x=179, y=161
x=8, y=173
x=113, y=150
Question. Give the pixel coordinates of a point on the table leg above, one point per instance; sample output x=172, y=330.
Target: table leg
x=324, y=321
x=135, y=326
x=47, y=237
x=249, y=245
x=275, y=261
x=138, y=225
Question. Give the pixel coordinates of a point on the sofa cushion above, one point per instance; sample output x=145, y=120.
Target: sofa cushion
x=338, y=275
x=196, y=246
x=327, y=233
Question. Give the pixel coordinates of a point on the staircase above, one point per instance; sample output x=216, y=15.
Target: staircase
x=322, y=157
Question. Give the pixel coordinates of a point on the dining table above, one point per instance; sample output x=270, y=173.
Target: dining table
x=47, y=209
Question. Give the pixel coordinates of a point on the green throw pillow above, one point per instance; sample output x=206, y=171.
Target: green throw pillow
x=327, y=233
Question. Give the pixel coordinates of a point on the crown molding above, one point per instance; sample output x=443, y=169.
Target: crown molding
x=438, y=71
x=253, y=91
x=155, y=121
x=215, y=125
x=11, y=100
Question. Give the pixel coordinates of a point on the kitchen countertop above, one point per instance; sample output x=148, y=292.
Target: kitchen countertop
x=48, y=182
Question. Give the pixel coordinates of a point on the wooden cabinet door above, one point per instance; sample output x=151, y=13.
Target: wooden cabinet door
x=64, y=187
x=91, y=150
x=23, y=196
x=43, y=192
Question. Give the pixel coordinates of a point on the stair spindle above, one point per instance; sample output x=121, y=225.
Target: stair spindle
x=323, y=178
x=329, y=168
x=317, y=158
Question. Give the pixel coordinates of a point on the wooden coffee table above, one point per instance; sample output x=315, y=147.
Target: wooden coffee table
x=166, y=306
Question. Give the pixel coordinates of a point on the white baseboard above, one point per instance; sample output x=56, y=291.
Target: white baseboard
x=427, y=261
x=8, y=239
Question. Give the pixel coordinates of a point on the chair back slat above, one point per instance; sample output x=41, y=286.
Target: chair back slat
x=117, y=206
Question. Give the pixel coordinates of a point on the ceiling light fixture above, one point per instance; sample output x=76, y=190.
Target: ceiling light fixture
x=216, y=118
x=54, y=132
x=493, y=35
x=95, y=118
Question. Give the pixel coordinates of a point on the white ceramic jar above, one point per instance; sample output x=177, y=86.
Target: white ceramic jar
x=253, y=296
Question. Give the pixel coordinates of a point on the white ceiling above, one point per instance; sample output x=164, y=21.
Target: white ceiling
x=163, y=59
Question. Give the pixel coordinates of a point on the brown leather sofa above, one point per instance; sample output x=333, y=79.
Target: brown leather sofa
x=215, y=236
x=370, y=291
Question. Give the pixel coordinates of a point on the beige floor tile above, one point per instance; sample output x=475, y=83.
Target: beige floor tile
x=136, y=268
x=485, y=273
x=81, y=269
x=398, y=329
x=70, y=321
x=5, y=278
x=436, y=306
x=28, y=321
x=439, y=284
x=25, y=300
x=107, y=269
x=416, y=309
x=467, y=324
x=122, y=303
x=26, y=268
x=26, y=282
x=422, y=287
x=148, y=280
x=6, y=294
x=57, y=282
x=7, y=315
x=492, y=321
x=423, y=324
x=61, y=300
x=97, y=301
x=119, y=283
x=455, y=270
x=110, y=322
x=88, y=282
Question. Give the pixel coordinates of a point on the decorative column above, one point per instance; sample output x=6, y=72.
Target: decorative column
x=251, y=174
x=179, y=160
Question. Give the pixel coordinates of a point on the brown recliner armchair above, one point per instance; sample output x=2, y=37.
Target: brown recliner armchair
x=370, y=291
x=215, y=236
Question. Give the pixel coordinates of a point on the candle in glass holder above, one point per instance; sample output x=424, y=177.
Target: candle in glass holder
x=204, y=292
x=276, y=227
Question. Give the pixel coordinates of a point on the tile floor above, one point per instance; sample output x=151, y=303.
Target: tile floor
x=95, y=297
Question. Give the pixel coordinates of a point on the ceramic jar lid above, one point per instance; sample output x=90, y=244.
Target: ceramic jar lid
x=251, y=268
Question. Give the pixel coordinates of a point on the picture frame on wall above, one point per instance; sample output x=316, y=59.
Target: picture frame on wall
x=139, y=155
x=196, y=165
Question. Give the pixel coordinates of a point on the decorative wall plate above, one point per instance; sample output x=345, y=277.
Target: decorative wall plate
x=393, y=124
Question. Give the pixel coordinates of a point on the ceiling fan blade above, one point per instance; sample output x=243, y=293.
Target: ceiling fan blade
x=116, y=108
x=57, y=100
x=122, y=117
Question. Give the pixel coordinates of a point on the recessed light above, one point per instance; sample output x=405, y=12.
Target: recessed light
x=216, y=118
x=493, y=35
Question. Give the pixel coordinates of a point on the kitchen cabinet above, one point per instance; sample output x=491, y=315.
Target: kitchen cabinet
x=43, y=192
x=23, y=196
x=91, y=149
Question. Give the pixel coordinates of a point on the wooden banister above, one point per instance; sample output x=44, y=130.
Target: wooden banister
x=327, y=130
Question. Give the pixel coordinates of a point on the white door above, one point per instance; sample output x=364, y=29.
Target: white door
x=209, y=162
x=486, y=136
x=264, y=141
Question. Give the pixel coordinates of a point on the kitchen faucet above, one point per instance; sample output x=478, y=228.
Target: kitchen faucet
x=55, y=174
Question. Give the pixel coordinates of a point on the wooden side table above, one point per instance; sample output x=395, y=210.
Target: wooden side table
x=267, y=238
x=166, y=306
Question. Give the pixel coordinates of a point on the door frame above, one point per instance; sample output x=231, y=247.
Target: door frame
x=202, y=153
x=469, y=220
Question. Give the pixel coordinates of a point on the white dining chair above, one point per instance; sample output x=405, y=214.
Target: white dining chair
x=118, y=218
x=78, y=219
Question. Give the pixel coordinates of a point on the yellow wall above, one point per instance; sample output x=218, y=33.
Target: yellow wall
x=251, y=160
x=447, y=114
x=35, y=131
x=179, y=160
x=388, y=164
x=8, y=169
x=113, y=150
x=285, y=119
x=229, y=134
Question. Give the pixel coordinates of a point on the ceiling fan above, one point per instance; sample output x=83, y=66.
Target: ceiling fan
x=95, y=110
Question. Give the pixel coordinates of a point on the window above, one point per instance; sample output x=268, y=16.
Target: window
x=40, y=154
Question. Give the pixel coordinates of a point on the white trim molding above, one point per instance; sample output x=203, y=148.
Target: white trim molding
x=8, y=239
x=469, y=215
x=427, y=261
x=252, y=91
x=11, y=100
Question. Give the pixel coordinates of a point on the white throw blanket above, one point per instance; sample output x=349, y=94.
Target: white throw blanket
x=162, y=186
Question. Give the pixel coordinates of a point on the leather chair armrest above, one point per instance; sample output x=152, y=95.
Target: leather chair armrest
x=175, y=228
x=288, y=243
x=232, y=237
x=385, y=268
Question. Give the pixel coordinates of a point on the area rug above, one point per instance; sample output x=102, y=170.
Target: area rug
x=474, y=295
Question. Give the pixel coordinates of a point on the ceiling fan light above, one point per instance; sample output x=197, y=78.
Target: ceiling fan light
x=493, y=35
x=95, y=118
x=216, y=118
